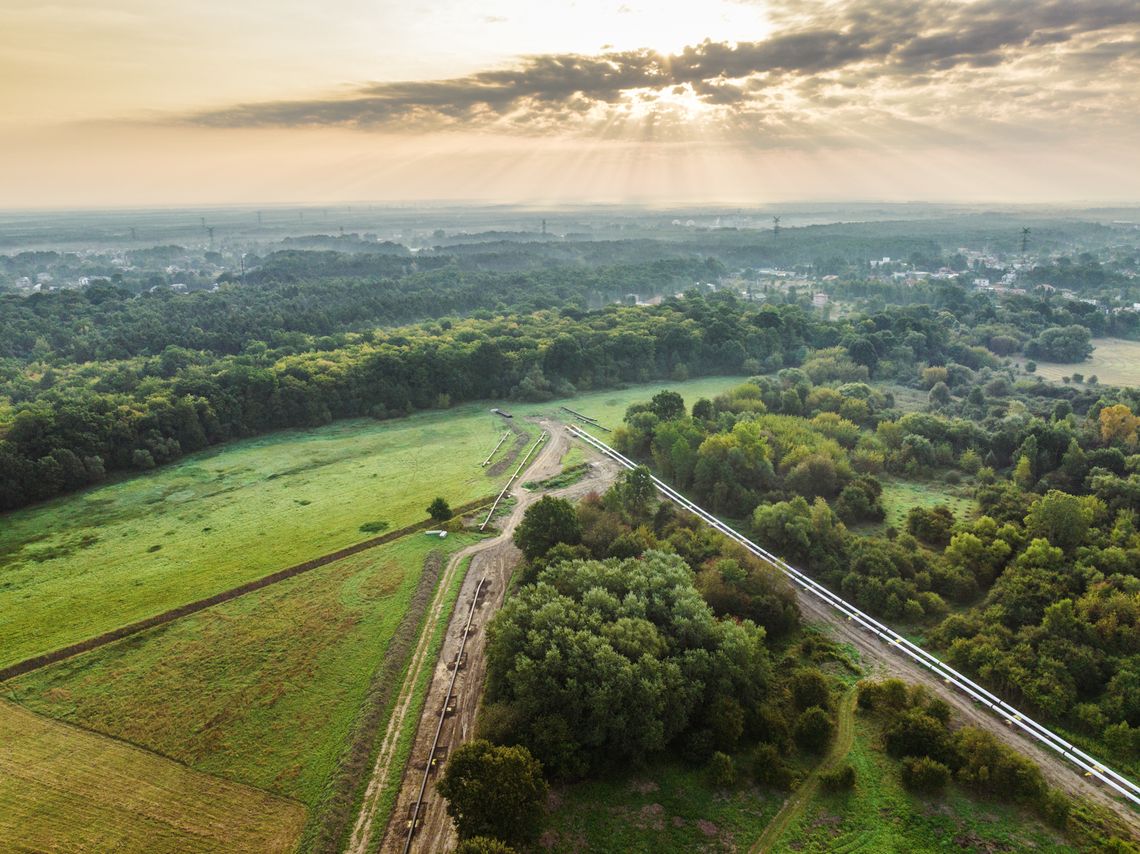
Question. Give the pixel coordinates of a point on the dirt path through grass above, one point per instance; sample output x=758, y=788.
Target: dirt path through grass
x=802, y=796
x=494, y=559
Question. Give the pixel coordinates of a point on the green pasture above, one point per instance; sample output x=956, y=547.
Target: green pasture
x=666, y=806
x=263, y=689
x=84, y=564
x=899, y=496
x=608, y=407
x=1113, y=362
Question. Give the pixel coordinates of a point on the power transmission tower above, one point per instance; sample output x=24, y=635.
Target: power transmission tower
x=210, y=231
x=1024, y=239
x=775, y=226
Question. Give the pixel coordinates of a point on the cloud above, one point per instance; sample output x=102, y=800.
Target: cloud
x=828, y=72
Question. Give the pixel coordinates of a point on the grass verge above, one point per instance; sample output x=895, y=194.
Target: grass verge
x=411, y=722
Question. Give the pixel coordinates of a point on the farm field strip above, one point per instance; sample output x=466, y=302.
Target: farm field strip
x=28, y=665
x=264, y=689
x=1012, y=716
x=62, y=788
x=82, y=565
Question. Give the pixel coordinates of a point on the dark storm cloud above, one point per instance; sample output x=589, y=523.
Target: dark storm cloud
x=905, y=48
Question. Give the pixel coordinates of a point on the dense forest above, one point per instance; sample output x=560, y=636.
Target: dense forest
x=636, y=632
x=97, y=382
x=1042, y=576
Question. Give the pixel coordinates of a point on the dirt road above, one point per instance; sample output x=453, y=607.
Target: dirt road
x=882, y=661
x=494, y=559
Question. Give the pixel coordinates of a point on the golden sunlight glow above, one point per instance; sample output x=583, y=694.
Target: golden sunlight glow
x=161, y=102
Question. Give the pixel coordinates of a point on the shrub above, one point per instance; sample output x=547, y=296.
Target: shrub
x=814, y=728
x=990, y=766
x=483, y=845
x=770, y=769
x=916, y=733
x=810, y=688
x=840, y=779
x=923, y=774
x=722, y=770
x=439, y=510
x=890, y=695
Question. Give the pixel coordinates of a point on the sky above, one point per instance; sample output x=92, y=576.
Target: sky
x=157, y=102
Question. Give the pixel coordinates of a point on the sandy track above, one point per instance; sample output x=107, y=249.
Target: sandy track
x=883, y=662
x=494, y=559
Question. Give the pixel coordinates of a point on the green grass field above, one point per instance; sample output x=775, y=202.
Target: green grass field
x=1113, y=362
x=87, y=563
x=63, y=789
x=608, y=407
x=263, y=689
x=899, y=496
x=664, y=807
x=880, y=817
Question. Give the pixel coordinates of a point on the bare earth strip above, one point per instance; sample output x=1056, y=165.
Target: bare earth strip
x=66, y=789
x=1057, y=771
x=494, y=559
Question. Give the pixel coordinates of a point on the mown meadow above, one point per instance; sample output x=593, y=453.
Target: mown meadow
x=64, y=789
x=1114, y=361
x=78, y=566
x=263, y=689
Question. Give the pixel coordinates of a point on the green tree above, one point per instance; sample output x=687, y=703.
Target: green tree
x=637, y=491
x=546, y=523
x=493, y=791
x=667, y=405
x=439, y=510
x=1062, y=519
x=814, y=728
x=923, y=774
x=483, y=845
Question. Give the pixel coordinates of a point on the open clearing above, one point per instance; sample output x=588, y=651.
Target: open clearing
x=63, y=789
x=264, y=689
x=899, y=496
x=881, y=817
x=1113, y=362
x=87, y=563
x=663, y=807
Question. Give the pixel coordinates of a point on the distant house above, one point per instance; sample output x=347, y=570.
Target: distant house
x=819, y=299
